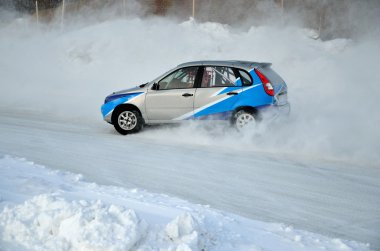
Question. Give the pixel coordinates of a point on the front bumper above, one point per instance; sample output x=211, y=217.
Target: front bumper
x=108, y=118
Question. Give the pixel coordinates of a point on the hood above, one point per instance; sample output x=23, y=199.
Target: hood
x=127, y=92
x=130, y=90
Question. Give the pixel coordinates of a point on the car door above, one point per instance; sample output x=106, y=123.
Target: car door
x=173, y=99
x=218, y=92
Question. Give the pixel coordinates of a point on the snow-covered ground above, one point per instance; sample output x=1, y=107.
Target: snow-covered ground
x=319, y=171
x=43, y=209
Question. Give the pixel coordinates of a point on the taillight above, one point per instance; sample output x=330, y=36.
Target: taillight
x=268, y=87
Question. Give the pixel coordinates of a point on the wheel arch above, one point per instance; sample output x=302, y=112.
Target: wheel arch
x=250, y=109
x=129, y=107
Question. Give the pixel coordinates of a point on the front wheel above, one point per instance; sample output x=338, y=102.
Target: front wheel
x=243, y=119
x=126, y=122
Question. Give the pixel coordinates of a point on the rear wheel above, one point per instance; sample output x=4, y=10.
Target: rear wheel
x=243, y=119
x=127, y=121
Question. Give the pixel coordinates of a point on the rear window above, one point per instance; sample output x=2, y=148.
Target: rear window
x=273, y=77
x=245, y=78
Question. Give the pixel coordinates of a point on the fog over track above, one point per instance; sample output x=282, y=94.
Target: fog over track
x=319, y=170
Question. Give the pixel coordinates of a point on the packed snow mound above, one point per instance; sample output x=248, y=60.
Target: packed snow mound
x=48, y=222
x=183, y=230
x=42, y=209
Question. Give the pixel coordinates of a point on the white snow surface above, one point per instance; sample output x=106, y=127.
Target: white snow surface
x=41, y=209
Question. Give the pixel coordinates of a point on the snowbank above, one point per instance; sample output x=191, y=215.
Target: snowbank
x=42, y=209
x=49, y=222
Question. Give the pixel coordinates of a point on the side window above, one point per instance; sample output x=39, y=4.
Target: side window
x=181, y=79
x=218, y=76
x=245, y=78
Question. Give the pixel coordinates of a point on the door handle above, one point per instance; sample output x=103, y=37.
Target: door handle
x=187, y=95
x=232, y=93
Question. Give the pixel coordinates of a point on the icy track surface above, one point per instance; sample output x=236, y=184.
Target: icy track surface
x=42, y=209
x=319, y=171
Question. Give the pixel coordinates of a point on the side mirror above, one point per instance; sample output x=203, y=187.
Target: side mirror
x=155, y=86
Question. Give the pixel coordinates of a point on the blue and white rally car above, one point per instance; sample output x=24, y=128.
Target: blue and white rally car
x=238, y=91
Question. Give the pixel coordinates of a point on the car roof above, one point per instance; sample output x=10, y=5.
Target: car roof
x=231, y=63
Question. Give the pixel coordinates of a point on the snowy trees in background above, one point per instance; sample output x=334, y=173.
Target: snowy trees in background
x=330, y=18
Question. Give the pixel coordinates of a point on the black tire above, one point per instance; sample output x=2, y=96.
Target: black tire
x=127, y=121
x=243, y=117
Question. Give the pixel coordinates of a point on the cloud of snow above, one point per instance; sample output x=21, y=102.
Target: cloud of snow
x=66, y=72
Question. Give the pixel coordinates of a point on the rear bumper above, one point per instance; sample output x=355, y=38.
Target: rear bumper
x=274, y=112
x=284, y=109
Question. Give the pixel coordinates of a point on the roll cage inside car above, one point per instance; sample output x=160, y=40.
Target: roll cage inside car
x=246, y=80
